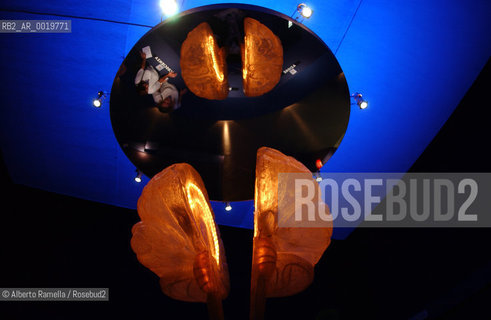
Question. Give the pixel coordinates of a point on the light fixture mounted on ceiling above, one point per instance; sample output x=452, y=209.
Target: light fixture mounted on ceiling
x=138, y=177
x=228, y=207
x=169, y=7
x=362, y=103
x=97, y=102
x=304, y=10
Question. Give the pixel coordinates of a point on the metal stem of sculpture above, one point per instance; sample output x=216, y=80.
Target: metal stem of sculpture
x=283, y=258
x=178, y=240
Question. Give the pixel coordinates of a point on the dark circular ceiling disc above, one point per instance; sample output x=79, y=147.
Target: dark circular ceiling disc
x=304, y=115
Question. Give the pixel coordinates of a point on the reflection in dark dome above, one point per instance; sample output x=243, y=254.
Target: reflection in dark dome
x=203, y=64
x=262, y=59
x=212, y=85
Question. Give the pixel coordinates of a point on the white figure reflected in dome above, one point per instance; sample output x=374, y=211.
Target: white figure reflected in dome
x=167, y=97
x=147, y=78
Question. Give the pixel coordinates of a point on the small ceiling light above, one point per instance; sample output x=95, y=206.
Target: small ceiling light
x=304, y=10
x=138, y=177
x=169, y=7
x=228, y=207
x=362, y=103
x=101, y=95
x=318, y=177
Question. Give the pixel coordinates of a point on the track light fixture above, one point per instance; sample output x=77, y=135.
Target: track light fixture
x=304, y=10
x=301, y=12
x=318, y=177
x=97, y=102
x=228, y=207
x=362, y=103
x=138, y=177
x=169, y=7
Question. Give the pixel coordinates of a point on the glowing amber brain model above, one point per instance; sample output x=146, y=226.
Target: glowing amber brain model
x=177, y=238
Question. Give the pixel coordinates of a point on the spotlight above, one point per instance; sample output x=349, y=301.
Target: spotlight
x=169, y=7
x=362, y=103
x=318, y=163
x=101, y=95
x=318, y=177
x=228, y=207
x=304, y=10
x=138, y=177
